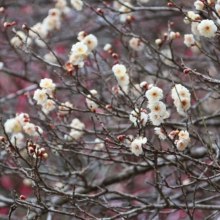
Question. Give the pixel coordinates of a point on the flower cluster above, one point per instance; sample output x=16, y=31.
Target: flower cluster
x=36, y=151
x=137, y=117
x=81, y=50
x=44, y=96
x=181, y=97
x=21, y=121
x=65, y=108
x=40, y=31
x=89, y=100
x=76, y=131
x=183, y=141
x=122, y=76
x=157, y=107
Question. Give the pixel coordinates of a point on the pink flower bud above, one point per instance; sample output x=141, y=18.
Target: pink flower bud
x=120, y=137
x=115, y=55
x=22, y=197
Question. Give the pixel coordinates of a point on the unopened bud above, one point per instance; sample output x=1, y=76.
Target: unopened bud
x=158, y=41
x=2, y=9
x=107, y=139
x=169, y=4
x=31, y=150
x=115, y=55
x=120, y=137
x=7, y=24
x=186, y=71
x=25, y=27
x=2, y=138
x=165, y=35
x=108, y=106
x=143, y=85
x=99, y=10
x=45, y=155
x=22, y=197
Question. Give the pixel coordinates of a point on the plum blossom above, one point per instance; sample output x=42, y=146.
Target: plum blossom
x=160, y=133
x=136, y=145
x=207, y=28
x=77, y=4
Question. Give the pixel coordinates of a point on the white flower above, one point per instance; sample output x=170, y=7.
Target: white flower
x=191, y=14
x=194, y=28
x=77, y=124
x=20, y=39
x=182, y=103
x=157, y=107
x=50, y=57
x=99, y=144
x=154, y=94
x=179, y=91
x=40, y=96
x=184, y=135
x=23, y=118
x=77, y=4
x=144, y=117
x=32, y=130
x=123, y=79
x=73, y=135
x=136, y=145
x=47, y=84
x=156, y=119
x=76, y=59
x=48, y=106
x=90, y=103
x=51, y=23
x=12, y=125
x=136, y=44
x=40, y=43
x=79, y=48
x=181, y=96
x=90, y=41
x=181, y=144
x=107, y=47
x=207, y=28
x=40, y=29
x=199, y=5
x=81, y=35
x=65, y=108
x=160, y=133
x=189, y=40
x=134, y=117
x=119, y=69
x=18, y=139
x=217, y=8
